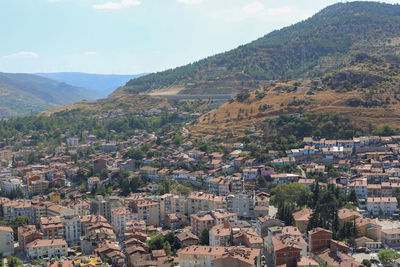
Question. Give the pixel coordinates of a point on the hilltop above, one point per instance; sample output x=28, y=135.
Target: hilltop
x=364, y=95
x=325, y=42
x=24, y=93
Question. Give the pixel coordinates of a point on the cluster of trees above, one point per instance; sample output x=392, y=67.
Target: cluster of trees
x=288, y=129
x=167, y=242
x=49, y=130
x=325, y=203
x=15, y=223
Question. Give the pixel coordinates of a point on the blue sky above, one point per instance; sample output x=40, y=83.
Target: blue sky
x=134, y=36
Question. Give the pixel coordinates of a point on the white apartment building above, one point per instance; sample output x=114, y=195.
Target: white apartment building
x=72, y=228
x=10, y=184
x=7, y=240
x=119, y=218
x=42, y=248
x=381, y=205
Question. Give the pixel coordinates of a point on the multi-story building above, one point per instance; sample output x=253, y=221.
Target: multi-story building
x=27, y=234
x=88, y=221
x=148, y=211
x=52, y=248
x=10, y=184
x=219, y=237
x=72, y=228
x=199, y=201
x=119, y=218
x=241, y=204
x=13, y=209
x=360, y=187
x=391, y=237
x=38, y=186
x=170, y=204
x=202, y=220
x=7, y=240
x=318, y=238
x=101, y=206
x=52, y=227
x=207, y=256
x=381, y=205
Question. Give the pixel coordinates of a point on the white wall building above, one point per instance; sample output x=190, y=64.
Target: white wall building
x=381, y=205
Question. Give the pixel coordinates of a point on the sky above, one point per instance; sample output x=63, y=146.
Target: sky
x=135, y=36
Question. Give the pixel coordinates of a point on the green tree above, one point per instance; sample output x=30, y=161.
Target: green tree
x=290, y=194
x=387, y=256
x=156, y=242
x=205, y=237
x=14, y=261
x=366, y=263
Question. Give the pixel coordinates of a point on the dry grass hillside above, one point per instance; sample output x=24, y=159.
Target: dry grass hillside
x=367, y=92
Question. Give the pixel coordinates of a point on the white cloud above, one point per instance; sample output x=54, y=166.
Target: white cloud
x=253, y=8
x=279, y=11
x=118, y=5
x=90, y=53
x=190, y=2
x=23, y=54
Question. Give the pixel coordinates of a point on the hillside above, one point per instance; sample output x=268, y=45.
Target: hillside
x=365, y=94
x=308, y=49
x=24, y=93
x=103, y=84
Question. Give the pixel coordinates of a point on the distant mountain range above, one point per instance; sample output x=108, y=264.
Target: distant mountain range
x=22, y=93
x=103, y=84
x=325, y=42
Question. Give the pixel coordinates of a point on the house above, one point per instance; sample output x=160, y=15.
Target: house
x=301, y=218
x=186, y=239
x=347, y=215
x=391, y=237
x=92, y=182
x=250, y=173
x=149, y=172
x=7, y=240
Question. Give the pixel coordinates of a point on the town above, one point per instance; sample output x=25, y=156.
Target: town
x=158, y=200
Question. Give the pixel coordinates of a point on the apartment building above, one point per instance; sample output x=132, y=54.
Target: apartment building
x=7, y=240
x=119, y=218
x=47, y=248
x=72, y=228
x=27, y=234
x=52, y=227
x=207, y=256
x=148, y=211
x=381, y=205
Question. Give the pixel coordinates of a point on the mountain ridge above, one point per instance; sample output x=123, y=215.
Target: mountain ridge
x=23, y=93
x=310, y=48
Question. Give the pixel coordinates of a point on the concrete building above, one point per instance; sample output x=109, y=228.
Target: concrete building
x=7, y=240
x=381, y=205
x=148, y=211
x=119, y=218
x=72, y=228
x=241, y=204
x=27, y=234
x=47, y=248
